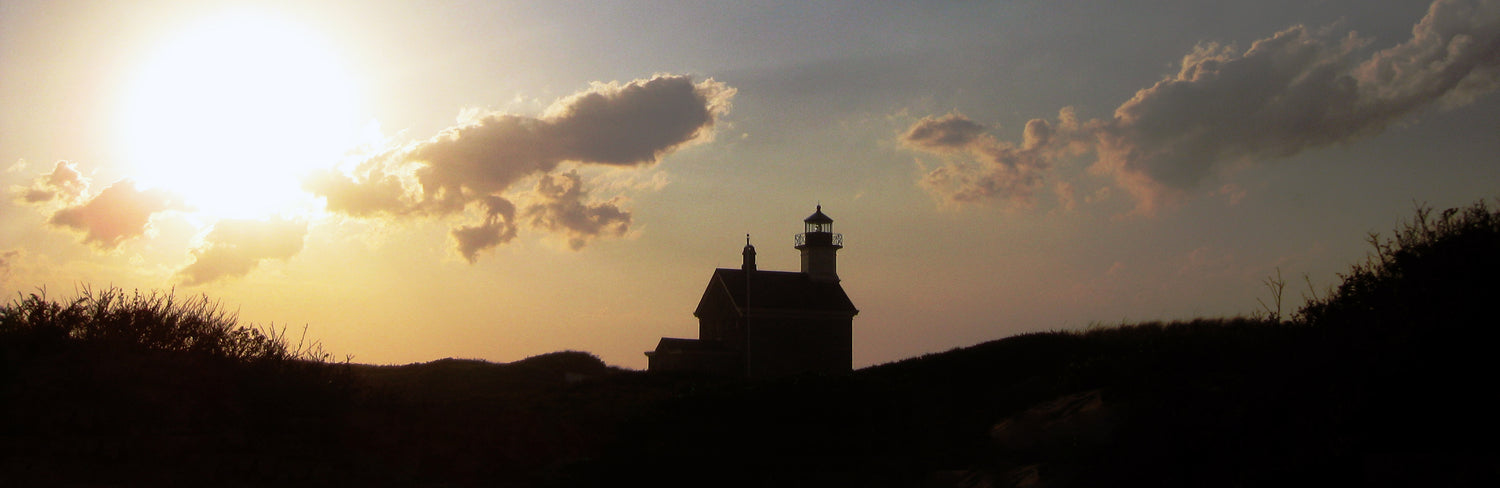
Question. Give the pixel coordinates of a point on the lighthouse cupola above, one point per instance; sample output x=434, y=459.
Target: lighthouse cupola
x=819, y=246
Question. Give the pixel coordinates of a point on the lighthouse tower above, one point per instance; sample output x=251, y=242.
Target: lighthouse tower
x=820, y=247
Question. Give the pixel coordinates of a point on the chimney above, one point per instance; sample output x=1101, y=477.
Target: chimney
x=749, y=264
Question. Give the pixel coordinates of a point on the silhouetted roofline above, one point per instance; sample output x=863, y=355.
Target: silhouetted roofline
x=817, y=217
x=678, y=344
x=777, y=292
x=695, y=347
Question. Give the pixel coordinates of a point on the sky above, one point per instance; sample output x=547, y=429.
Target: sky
x=410, y=181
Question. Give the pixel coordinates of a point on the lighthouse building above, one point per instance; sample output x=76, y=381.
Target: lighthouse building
x=765, y=324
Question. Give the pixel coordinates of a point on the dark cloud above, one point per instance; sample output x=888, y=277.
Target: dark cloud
x=118, y=213
x=946, y=133
x=64, y=183
x=635, y=123
x=560, y=207
x=1285, y=94
x=982, y=167
x=499, y=227
x=631, y=124
x=236, y=246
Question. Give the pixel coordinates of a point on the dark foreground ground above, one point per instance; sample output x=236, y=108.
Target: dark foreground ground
x=1223, y=403
x=1385, y=381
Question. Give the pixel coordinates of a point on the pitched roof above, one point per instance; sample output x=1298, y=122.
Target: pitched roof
x=780, y=290
x=674, y=344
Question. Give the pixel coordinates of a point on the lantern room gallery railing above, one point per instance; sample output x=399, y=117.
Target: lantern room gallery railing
x=819, y=238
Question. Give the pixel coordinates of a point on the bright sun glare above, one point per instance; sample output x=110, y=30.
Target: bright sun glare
x=231, y=113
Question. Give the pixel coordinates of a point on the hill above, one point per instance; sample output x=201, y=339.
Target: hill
x=1205, y=403
x=1381, y=381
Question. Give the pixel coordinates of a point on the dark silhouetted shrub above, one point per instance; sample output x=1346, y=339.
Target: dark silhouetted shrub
x=155, y=321
x=117, y=388
x=1436, y=273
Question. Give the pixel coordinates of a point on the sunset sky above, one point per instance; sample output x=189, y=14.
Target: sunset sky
x=497, y=180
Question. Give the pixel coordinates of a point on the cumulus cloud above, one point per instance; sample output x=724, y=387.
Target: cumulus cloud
x=612, y=124
x=373, y=189
x=64, y=183
x=118, y=213
x=236, y=246
x=561, y=208
x=1454, y=55
x=947, y=133
x=498, y=227
x=1293, y=91
x=980, y=167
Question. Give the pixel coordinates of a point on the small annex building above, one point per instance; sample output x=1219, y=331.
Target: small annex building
x=766, y=324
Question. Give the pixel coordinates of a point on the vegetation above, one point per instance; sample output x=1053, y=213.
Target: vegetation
x=1432, y=275
x=1380, y=380
x=145, y=388
x=153, y=321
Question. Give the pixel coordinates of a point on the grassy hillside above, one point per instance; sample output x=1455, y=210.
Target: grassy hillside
x=149, y=389
x=1381, y=381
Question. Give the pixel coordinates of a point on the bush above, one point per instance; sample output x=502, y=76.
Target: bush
x=154, y=321
x=1406, y=341
x=1436, y=273
x=1421, y=304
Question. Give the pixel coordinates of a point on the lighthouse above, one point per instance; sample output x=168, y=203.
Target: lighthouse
x=820, y=247
x=756, y=323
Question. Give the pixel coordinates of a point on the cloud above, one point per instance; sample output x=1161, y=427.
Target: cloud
x=64, y=183
x=611, y=124
x=118, y=213
x=947, y=133
x=1066, y=195
x=561, y=208
x=1453, y=55
x=8, y=260
x=635, y=181
x=499, y=227
x=980, y=167
x=636, y=123
x=373, y=191
x=1294, y=91
x=236, y=246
